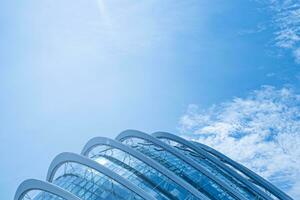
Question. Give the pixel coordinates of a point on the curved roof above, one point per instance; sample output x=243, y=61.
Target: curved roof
x=218, y=161
x=72, y=157
x=33, y=184
x=212, y=159
x=261, y=181
x=113, y=143
x=138, y=134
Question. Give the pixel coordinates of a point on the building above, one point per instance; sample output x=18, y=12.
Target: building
x=137, y=166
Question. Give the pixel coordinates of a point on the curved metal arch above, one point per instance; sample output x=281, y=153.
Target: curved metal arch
x=138, y=134
x=62, y=158
x=33, y=184
x=264, y=183
x=97, y=141
x=212, y=159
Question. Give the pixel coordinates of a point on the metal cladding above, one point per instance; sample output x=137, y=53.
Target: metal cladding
x=139, y=166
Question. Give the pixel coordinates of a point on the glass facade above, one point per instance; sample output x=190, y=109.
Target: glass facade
x=213, y=168
x=139, y=168
x=235, y=166
x=89, y=184
x=204, y=184
x=40, y=195
x=139, y=173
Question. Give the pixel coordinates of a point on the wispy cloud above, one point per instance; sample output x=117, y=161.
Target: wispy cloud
x=261, y=131
x=286, y=21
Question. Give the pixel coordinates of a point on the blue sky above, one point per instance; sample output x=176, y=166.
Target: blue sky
x=70, y=71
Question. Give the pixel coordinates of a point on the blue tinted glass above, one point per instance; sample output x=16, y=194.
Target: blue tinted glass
x=204, y=184
x=224, y=159
x=138, y=172
x=213, y=168
x=40, y=195
x=89, y=184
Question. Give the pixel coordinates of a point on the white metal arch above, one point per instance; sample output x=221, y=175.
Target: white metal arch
x=138, y=134
x=63, y=158
x=212, y=159
x=97, y=141
x=261, y=181
x=33, y=184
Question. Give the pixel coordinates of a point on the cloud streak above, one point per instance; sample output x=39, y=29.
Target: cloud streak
x=261, y=131
x=286, y=21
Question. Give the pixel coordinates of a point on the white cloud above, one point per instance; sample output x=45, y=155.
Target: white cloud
x=261, y=131
x=286, y=21
x=297, y=55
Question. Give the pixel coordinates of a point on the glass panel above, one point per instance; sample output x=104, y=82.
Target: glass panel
x=196, y=178
x=89, y=184
x=245, y=175
x=40, y=195
x=213, y=168
x=139, y=173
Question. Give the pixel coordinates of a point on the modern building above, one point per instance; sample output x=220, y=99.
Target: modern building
x=138, y=166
